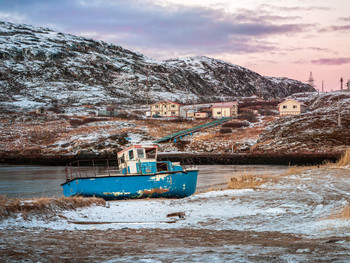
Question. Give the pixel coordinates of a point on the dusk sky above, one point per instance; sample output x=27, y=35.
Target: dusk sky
x=286, y=38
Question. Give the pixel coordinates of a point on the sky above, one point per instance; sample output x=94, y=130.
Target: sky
x=286, y=38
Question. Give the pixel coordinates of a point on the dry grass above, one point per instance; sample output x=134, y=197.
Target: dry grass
x=247, y=179
x=10, y=206
x=345, y=159
x=344, y=214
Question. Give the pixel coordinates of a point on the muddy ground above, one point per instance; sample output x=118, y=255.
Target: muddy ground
x=171, y=245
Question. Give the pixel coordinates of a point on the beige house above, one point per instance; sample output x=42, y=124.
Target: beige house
x=167, y=108
x=291, y=107
x=224, y=109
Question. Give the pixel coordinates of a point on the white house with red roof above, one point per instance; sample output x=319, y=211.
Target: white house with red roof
x=291, y=107
x=225, y=109
x=167, y=108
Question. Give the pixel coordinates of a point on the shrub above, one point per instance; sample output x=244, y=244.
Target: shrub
x=246, y=180
x=40, y=135
x=225, y=130
x=249, y=116
x=181, y=144
x=345, y=159
x=10, y=206
x=75, y=122
x=235, y=124
x=268, y=112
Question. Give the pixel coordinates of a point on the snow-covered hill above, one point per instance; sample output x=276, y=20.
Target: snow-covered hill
x=39, y=67
x=325, y=127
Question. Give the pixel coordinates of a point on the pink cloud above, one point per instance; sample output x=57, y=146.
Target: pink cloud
x=331, y=61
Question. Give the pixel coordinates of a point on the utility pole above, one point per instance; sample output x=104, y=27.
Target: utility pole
x=147, y=87
x=341, y=83
x=322, y=86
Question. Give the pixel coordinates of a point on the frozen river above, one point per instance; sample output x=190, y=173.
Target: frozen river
x=45, y=181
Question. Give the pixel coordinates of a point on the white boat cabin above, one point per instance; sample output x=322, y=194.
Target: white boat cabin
x=138, y=159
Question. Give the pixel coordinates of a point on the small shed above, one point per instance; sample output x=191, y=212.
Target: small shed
x=190, y=113
x=291, y=107
x=201, y=115
x=40, y=110
x=108, y=112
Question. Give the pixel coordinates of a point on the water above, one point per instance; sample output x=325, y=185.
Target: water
x=45, y=181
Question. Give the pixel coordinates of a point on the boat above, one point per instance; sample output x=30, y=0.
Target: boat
x=138, y=175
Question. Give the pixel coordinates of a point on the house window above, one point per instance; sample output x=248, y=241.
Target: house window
x=285, y=107
x=173, y=113
x=156, y=106
x=173, y=106
x=295, y=106
x=218, y=113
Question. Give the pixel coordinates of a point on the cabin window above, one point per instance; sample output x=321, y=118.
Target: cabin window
x=131, y=155
x=140, y=153
x=295, y=106
x=285, y=107
x=151, y=153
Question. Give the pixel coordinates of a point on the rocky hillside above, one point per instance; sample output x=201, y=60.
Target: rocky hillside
x=316, y=131
x=40, y=67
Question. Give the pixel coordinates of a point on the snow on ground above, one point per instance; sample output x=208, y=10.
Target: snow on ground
x=302, y=204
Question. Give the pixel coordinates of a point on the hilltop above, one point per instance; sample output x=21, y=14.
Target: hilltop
x=41, y=67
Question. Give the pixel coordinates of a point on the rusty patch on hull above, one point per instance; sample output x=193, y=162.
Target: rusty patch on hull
x=155, y=191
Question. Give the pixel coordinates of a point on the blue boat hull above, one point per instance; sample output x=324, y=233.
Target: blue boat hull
x=170, y=185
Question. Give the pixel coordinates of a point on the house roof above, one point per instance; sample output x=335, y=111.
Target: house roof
x=224, y=104
x=298, y=102
x=169, y=101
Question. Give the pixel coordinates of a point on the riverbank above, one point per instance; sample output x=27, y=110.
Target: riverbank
x=295, y=217
x=198, y=158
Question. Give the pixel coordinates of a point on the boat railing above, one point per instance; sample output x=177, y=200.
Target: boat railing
x=91, y=168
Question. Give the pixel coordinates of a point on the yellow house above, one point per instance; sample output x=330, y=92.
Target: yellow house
x=225, y=109
x=167, y=108
x=291, y=107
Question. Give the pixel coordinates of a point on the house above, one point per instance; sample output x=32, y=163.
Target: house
x=190, y=113
x=291, y=107
x=225, y=109
x=167, y=108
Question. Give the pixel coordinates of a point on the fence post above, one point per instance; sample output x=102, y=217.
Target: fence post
x=93, y=165
x=79, y=169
